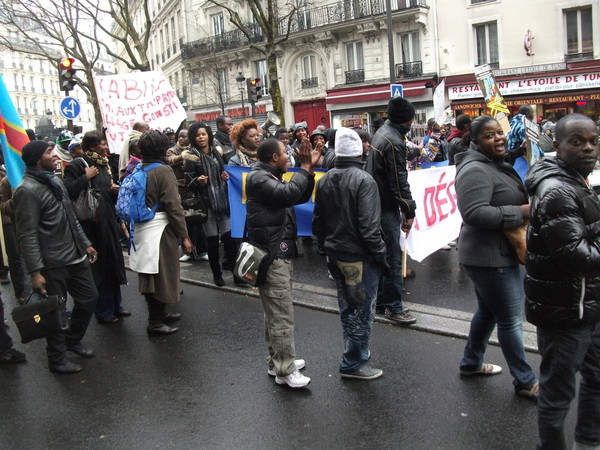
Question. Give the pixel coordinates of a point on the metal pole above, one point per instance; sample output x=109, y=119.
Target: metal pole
x=390, y=38
x=243, y=107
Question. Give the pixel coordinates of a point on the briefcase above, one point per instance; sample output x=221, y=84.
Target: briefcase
x=38, y=319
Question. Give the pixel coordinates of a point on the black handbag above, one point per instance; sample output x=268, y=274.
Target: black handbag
x=194, y=210
x=86, y=206
x=38, y=319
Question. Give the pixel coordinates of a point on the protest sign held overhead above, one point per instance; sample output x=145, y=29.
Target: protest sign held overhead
x=142, y=96
x=493, y=99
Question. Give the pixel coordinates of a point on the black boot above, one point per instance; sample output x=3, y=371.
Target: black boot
x=230, y=245
x=213, y=260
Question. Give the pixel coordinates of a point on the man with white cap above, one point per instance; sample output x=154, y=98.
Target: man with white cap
x=347, y=216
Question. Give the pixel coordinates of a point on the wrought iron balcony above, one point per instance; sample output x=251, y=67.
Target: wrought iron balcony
x=355, y=76
x=304, y=19
x=410, y=69
x=494, y=65
x=309, y=82
x=578, y=56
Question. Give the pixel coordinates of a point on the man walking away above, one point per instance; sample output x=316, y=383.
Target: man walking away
x=347, y=217
x=269, y=209
x=562, y=285
x=387, y=164
x=56, y=251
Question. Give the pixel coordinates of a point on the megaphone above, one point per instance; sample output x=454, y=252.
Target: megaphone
x=272, y=119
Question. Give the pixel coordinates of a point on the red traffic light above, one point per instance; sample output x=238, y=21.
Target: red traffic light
x=254, y=82
x=67, y=63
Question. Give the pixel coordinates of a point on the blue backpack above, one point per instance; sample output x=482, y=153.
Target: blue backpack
x=131, y=202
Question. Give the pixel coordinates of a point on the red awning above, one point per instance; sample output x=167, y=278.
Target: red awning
x=370, y=93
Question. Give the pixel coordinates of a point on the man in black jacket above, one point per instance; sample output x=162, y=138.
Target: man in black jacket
x=56, y=251
x=387, y=164
x=562, y=285
x=347, y=217
x=270, y=214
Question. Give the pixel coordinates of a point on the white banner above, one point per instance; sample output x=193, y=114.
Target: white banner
x=437, y=221
x=141, y=96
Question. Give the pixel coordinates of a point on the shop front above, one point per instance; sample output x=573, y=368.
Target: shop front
x=551, y=94
x=359, y=106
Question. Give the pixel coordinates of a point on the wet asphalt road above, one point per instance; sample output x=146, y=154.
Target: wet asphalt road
x=207, y=387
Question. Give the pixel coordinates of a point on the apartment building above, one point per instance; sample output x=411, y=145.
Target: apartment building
x=544, y=53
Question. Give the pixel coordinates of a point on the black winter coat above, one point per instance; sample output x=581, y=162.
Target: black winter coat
x=270, y=199
x=387, y=164
x=562, y=285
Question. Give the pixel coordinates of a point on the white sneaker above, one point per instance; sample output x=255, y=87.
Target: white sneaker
x=293, y=380
x=202, y=257
x=446, y=247
x=300, y=364
x=185, y=258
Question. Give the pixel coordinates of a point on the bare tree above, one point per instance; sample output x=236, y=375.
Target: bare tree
x=78, y=29
x=274, y=24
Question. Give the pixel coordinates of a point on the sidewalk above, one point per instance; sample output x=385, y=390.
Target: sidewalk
x=322, y=296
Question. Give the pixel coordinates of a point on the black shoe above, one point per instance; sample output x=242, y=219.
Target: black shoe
x=123, y=313
x=160, y=329
x=239, y=281
x=219, y=281
x=4, y=279
x=13, y=356
x=107, y=320
x=80, y=350
x=171, y=317
x=65, y=367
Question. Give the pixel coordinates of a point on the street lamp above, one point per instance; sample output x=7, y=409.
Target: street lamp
x=241, y=79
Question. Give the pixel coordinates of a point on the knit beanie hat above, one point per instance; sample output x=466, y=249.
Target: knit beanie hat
x=400, y=110
x=348, y=143
x=32, y=152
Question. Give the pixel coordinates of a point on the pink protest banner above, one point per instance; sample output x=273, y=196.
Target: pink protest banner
x=437, y=220
x=142, y=96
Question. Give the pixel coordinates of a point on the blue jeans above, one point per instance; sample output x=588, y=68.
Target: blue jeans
x=390, y=288
x=356, y=283
x=500, y=299
x=564, y=353
x=109, y=300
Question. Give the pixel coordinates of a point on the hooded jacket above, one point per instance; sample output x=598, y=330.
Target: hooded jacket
x=562, y=285
x=489, y=194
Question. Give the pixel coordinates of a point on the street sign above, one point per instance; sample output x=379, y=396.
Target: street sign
x=396, y=90
x=69, y=108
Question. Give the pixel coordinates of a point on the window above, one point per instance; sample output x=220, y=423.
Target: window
x=309, y=72
x=578, y=29
x=262, y=72
x=354, y=56
x=303, y=14
x=173, y=36
x=222, y=86
x=218, y=24
x=486, y=38
x=410, y=47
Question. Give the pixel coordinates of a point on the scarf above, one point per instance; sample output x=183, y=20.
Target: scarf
x=101, y=161
x=217, y=187
x=47, y=178
x=247, y=158
x=223, y=138
x=455, y=133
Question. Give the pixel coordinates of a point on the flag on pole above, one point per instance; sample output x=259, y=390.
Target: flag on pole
x=12, y=137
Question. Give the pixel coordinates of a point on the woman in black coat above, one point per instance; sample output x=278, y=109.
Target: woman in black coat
x=109, y=270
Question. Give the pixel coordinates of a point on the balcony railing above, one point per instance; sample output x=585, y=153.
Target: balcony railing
x=578, y=56
x=304, y=19
x=310, y=82
x=409, y=69
x=355, y=76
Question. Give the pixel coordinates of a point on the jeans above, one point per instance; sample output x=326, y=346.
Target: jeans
x=390, y=288
x=109, y=300
x=276, y=298
x=15, y=261
x=77, y=280
x=500, y=299
x=564, y=353
x=6, y=342
x=356, y=283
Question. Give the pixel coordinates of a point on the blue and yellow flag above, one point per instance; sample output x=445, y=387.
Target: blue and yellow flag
x=237, y=201
x=12, y=137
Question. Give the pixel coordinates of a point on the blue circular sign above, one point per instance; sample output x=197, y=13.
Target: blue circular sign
x=70, y=107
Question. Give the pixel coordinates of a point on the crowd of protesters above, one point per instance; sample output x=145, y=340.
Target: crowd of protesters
x=362, y=205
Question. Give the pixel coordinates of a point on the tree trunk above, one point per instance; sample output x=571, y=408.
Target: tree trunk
x=274, y=88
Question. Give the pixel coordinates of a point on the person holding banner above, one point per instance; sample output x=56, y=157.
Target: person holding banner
x=271, y=224
x=491, y=198
x=206, y=177
x=386, y=162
